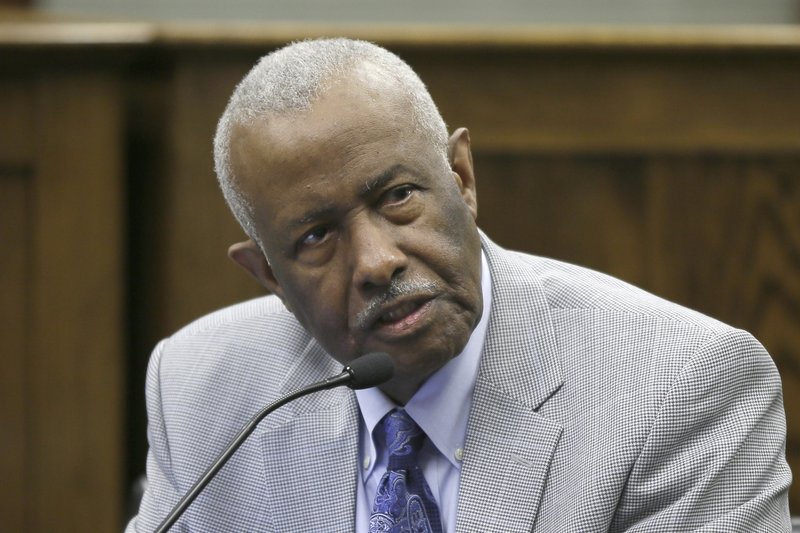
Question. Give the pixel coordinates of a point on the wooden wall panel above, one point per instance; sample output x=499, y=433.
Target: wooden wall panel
x=595, y=101
x=15, y=461
x=61, y=305
x=588, y=210
x=726, y=234
x=201, y=273
x=16, y=138
x=76, y=302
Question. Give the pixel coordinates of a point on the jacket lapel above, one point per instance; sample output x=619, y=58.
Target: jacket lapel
x=311, y=456
x=509, y=445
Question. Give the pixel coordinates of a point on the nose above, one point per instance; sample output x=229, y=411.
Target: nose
x=376, y=256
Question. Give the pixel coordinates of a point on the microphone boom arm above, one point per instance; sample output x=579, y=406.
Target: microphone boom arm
x=342, y=379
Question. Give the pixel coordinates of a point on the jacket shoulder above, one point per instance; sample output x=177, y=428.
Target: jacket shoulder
x=257, y=309
x=570, y=288
x=246, y=348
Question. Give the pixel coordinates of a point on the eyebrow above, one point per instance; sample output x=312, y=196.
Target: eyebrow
x=325, y=211
x=381, y=179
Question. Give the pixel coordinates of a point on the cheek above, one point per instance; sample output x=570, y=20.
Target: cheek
x=460, y=263
x=457, y=245
x=320, y=305
x=316, y=307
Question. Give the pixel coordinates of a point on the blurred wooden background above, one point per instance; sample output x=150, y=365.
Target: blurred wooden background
x=669, y=158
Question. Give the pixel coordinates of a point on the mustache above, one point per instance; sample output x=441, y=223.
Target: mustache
x=397, y=288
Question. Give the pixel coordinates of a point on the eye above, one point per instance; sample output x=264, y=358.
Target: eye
x=314, y=237
x=398, y=195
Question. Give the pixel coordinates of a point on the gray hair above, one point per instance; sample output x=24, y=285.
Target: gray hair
x=291, y=79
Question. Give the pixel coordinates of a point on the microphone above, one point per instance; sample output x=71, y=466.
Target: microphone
x=366, y=371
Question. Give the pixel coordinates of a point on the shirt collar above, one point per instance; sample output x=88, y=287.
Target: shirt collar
x=441, y=405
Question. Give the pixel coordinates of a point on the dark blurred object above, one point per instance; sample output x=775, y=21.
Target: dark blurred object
x=135, y=494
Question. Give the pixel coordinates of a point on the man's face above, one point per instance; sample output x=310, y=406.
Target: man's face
x=371, y=238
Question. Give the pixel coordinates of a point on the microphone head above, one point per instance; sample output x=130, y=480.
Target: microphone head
x=370, y=370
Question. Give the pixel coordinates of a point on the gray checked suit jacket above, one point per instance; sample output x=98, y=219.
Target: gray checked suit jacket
x=598, y=407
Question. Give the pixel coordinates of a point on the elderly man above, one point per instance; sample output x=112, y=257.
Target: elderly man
x=528, y=395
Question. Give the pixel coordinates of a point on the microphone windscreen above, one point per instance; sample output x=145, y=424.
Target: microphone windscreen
x=370, y=370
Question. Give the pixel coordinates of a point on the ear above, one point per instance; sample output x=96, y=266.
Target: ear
x=248, y=255
x=460, y=156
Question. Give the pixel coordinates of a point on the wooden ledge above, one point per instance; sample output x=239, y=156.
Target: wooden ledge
x=601, y=38
x=22, y=27
x=76, y=33
x=27, y=28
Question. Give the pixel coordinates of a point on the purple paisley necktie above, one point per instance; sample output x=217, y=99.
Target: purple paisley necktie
x=403, y=503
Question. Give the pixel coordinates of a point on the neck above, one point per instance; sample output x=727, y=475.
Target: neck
x=401, y=391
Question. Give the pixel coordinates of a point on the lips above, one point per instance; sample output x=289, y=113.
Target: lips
x=399, y=318
x=398, y=313
x=402, y=308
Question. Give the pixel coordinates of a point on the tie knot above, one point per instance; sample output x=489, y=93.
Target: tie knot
x=404, y=439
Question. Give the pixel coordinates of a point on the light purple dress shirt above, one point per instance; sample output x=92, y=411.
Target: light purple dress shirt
x=441, y=408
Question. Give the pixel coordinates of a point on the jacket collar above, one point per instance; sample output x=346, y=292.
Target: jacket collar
x=509, y=445
x=521, y=356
